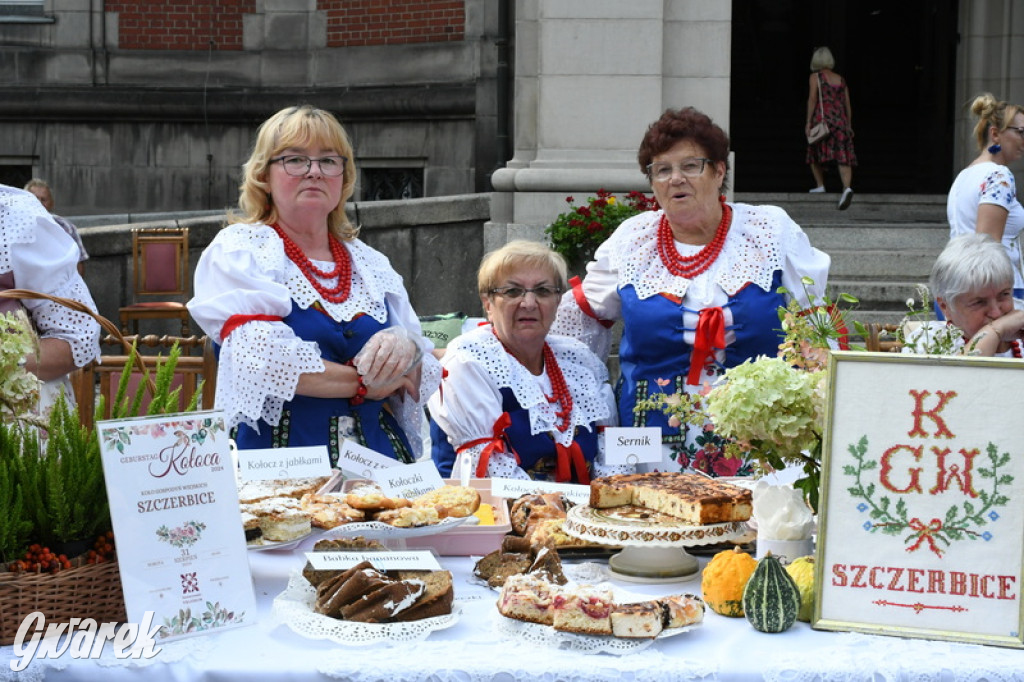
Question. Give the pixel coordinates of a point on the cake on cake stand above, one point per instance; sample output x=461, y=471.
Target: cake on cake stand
x=653, y=545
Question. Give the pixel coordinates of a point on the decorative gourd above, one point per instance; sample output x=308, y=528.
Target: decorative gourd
x=771, y=600
x=802, y=573
x=723, y=581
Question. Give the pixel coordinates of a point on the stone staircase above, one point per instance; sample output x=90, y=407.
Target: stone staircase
x=882, y=247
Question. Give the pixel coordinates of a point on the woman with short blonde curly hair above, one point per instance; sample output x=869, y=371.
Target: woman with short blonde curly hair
x=516, y=401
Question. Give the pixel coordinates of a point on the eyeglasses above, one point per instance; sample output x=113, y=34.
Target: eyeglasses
x=688, y=168
x=297, y=165
x=1018, y=129
x=516, y=293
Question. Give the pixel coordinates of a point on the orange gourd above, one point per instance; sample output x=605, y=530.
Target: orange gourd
x=724, y=579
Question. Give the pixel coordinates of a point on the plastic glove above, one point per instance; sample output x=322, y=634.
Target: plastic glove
x=387, y=355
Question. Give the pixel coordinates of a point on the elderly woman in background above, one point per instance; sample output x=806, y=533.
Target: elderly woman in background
x=983, y=197
x=520, y=402
x=972, y=281
x=36, y=254
x=695, y=284
x=318, y=339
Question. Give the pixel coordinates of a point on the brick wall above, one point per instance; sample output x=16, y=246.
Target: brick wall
x=388, y=22
x=180, y=24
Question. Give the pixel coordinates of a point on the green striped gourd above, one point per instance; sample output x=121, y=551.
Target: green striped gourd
x=771, y=599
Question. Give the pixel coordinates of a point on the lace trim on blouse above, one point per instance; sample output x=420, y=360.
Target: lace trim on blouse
x=754, y=250
x=19, y=228
x=259, y=368
x=372, y=275
x=21, y=216
x=55, y=321
x=583, y=374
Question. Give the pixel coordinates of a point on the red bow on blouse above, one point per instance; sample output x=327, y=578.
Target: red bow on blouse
x=709, y=336
x=495, y=443
x=574, y=455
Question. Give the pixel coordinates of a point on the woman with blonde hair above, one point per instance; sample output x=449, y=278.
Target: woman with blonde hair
x=517, y=401
x=318, y=339
x=983, y=197
x=828, y=100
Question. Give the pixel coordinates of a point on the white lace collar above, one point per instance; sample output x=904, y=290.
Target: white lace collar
x=582, y=371
x=372, y=274
x=753, y=251
x=19, y=213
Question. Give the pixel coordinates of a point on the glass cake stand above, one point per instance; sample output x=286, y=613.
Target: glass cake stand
x=653, y=545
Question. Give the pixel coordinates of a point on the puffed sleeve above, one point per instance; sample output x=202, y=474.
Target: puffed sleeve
x=468, y=407
x=45, y=260
x=588, y=310
x=261, y=360
x=802, y=260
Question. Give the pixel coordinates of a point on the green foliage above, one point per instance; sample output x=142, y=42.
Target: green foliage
x=64, y=491
x=16, y=528
x=772, y=408
x=577, y=233
x=55, y=492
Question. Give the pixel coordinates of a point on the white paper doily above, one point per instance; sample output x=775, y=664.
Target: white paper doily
x=545, y=635
x=601, y=526
x=294, y=608
x=376, y=530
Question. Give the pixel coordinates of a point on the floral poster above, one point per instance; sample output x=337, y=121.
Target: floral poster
x=921, y=530
x=174, y=506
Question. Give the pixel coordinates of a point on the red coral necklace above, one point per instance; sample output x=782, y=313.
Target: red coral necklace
x=342, y=267
x=691, y=266
x=559, y=388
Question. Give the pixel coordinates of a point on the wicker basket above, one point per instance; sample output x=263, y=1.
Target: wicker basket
x=87, y=591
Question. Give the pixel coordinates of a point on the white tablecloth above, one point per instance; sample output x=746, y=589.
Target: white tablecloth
x=472, y=650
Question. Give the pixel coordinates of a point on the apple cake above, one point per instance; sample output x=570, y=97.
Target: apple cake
x=695, y=500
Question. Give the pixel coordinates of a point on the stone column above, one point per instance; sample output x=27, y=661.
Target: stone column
x=591, y=75
x=991, y=48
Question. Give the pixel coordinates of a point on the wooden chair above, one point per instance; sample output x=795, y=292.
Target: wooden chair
x=189, y=372
x=874, y=341
x=159, y=269
x=189, y=345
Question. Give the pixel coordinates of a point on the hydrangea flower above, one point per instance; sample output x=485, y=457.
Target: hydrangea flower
x=19, y=388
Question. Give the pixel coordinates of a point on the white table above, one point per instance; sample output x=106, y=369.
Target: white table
x=722, y=648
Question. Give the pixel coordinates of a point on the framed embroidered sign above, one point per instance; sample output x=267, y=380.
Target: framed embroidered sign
x=921, y=527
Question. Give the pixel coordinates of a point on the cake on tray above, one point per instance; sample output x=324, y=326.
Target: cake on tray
x=691, y=498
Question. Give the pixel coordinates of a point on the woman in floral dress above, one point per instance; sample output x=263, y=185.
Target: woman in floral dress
x=838, y=144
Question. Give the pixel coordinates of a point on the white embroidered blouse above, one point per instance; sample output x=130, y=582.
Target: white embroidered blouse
x=245, y=271
x=43, y=258
x=469, y=402
x=761, y=240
